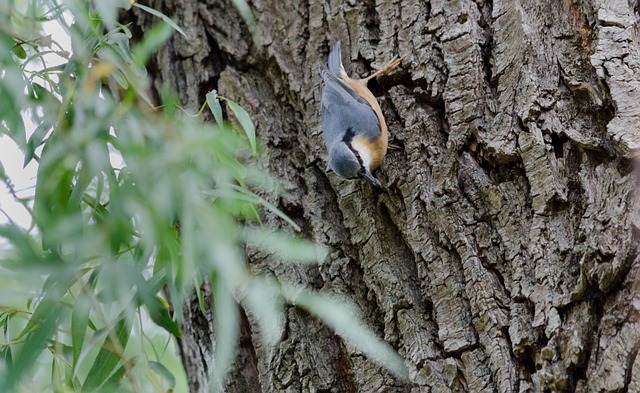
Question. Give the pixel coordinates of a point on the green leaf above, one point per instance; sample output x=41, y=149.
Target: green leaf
x=227, y=320
x=245, y=12
x=37, y=92
x=163, y=17
x=156, y=282
x=12, y=101
x=264, y=300
x=197, y=284
x=343, y=318
x=161, y=370
x=109, y=357
x=114, y=381
x=214, y=105
x=19, y=51
x=120, y=78
x=108, y=11
x=79, y=322
x=23, y=243
x=6, y=356
x=115, y=50
x=160, y=315
x=155, y=305
x=53, y=192
x=153, y=39
x=245, y=122
x=99, y=211
x=37, y=334
x=284, y=245
x=250, y=196
x=34, y=142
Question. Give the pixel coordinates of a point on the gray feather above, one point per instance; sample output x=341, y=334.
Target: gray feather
x=335, y=59
x=343, y=109
x=343, y=162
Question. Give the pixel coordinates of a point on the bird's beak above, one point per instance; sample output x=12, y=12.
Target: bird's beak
x=328, y=169
x=367, y=175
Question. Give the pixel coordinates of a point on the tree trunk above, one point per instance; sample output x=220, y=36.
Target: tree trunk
x=501, y=254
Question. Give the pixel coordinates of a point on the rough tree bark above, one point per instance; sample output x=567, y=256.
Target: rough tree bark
x=501, y=254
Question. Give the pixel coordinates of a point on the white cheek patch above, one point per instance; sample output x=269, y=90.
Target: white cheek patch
x=342, y=73
x=363, y=152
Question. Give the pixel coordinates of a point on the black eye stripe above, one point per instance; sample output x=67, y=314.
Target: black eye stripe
x=355, y=153
x=347, y=139
x=348, y=136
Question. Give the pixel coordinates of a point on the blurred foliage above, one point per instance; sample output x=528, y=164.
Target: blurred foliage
x=130, y=199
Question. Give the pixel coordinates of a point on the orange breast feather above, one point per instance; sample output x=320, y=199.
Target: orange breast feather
x=378, y=148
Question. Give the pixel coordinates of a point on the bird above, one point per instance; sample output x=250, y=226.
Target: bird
x=354, y=128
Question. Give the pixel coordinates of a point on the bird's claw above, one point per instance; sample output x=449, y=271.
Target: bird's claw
x=385, y=69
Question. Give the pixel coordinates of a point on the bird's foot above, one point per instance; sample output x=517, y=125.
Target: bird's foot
x=384, y=69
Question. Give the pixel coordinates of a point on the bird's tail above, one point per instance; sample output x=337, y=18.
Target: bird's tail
x=335, y=61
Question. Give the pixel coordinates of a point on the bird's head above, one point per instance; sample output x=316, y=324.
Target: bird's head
x=346, y=162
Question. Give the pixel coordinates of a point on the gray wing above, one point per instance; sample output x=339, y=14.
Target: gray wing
x=343, y=109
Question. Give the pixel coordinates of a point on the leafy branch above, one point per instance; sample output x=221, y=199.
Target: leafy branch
x=135, y=206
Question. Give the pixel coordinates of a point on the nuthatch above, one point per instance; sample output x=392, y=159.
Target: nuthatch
x=354, y=129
